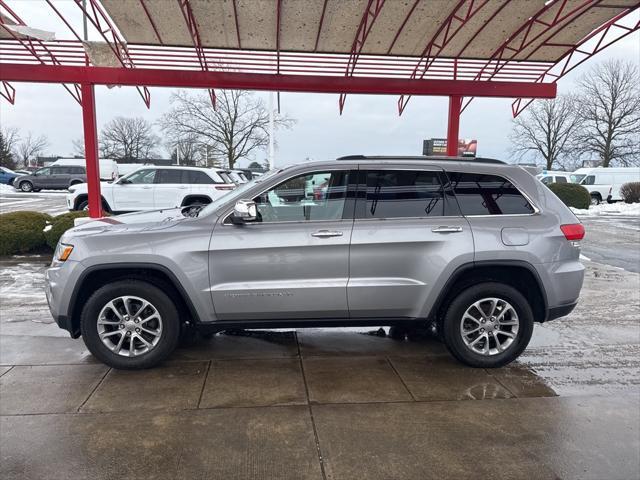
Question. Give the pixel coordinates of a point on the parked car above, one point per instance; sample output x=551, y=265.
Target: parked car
x=55, y=177
x=238, y=176
x=108, y=168
x=152, y=187
x=605, y=183
x=550, y=176
x=478, y=248
x=7, y=176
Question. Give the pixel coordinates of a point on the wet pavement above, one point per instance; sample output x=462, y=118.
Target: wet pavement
x=324, y=404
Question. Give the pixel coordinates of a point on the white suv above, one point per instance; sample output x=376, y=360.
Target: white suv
x=152, y=187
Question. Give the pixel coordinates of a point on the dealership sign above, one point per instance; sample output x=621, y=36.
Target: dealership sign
x=438, y=146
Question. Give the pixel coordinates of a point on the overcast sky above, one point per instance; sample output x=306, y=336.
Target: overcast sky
x=369, y=125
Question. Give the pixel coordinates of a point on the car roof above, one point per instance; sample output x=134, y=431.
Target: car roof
x=420, y=158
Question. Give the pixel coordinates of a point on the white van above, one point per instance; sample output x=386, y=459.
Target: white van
x=605, y=183
x=108, y=167
x=554, y=176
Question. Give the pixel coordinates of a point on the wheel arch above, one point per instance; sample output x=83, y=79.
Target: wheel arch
x=195, y=197
x=519, y=274
x=84, y=196
x=98, y=275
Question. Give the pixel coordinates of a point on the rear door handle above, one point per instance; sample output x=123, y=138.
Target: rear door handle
x=326, y=234
x=444, y=229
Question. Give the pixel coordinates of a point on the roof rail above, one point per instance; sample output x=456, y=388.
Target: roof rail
x=423, y=158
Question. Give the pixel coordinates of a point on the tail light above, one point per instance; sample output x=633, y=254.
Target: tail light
x=573, y=231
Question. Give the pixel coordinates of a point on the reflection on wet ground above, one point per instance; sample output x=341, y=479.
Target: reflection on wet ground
x=324, y=403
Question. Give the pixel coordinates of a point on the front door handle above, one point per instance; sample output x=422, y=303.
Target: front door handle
x=444, y=229
x=326, y=234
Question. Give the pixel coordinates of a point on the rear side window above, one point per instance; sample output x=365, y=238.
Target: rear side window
x=198, y=178
x=403, y=193
x=77, y=170
x=480, y=194
x=169, y=176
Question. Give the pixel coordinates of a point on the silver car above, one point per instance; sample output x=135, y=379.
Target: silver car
x=478, y=248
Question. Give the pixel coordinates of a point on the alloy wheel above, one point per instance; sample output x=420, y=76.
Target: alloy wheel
x=489, y=326
x=129, y=326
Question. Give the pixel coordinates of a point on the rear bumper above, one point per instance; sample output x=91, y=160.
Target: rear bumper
x=561, y=311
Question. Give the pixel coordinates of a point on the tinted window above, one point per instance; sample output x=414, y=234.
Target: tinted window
x=488, y=195
x=400, y=193
x=195, y=177
x=312, y=196
x=78, y=170
x=43, y=171
x=141, y=176
x=561, y=179
x=169, y=176
x=59, y=170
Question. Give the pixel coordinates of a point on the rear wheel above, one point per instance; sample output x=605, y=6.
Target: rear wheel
x=26, y=186
x=130, y=324
x=488, y=325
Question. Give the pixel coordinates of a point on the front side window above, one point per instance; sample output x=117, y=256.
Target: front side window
x=141, y=177
x=479, y=194
x=589, y=180
x=44, y=171
x=403, y=193
x=308, y=197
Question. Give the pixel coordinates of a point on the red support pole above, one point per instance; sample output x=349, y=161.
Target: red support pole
x=453, y=126
x=91, y=150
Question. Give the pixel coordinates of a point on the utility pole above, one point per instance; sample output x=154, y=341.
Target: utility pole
x=271, y=133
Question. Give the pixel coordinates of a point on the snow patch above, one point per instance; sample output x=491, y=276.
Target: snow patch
x=610, y=209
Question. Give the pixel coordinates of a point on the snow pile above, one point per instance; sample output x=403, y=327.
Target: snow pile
x=4, y=188
x=610, y=209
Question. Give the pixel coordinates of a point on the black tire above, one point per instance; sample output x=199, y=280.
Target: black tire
x=26, y=186
x=595, y=199
x=83, y=205
x=147, y=291
x=451, y=327
x=37, y=189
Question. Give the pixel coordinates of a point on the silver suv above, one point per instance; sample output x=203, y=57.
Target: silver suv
x=480, y=249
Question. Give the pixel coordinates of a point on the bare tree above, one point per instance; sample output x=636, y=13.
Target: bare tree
x=9, y=139
x=185, y=150
x=235, y=129
x=78, y=147
x=546, y=131
x=610, y=108
x=29, y=148
x=125, y=138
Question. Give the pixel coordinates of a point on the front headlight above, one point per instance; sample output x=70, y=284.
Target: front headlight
x=63, y=251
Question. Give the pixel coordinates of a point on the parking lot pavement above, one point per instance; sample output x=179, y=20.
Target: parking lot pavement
x=613, y=241
x=324, y=404
x=52, y=202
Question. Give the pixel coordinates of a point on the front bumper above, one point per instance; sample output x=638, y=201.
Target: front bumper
x=58, y=278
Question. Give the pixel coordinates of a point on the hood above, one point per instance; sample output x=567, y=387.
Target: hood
x=152, y=220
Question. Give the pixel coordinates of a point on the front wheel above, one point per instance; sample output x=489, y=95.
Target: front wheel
x=595, y=199
x=488, y=325
x=130, y=324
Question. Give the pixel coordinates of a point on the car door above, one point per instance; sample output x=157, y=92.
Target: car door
x=135, y=191
x=169, y=187
x=293, y=262
x=60, y=176
x=43, y=178
x=407, y=236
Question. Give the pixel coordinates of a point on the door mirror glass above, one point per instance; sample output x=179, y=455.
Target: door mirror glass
x=244, y=211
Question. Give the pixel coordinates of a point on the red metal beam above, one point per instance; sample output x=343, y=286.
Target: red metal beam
x=366, y=23
x=192, y=27
x=583, y=51
x=91, y=150
x=457, y=19
x=514, y=45
x=101, y=21
x=271, y=82
x=324, y=9
x=8, y=92
x=453, y=125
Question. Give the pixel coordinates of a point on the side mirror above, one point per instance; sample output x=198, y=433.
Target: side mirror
x=244, y=211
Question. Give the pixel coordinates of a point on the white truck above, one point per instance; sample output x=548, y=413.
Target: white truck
x=152, y=187
x=604, y=183
x=554, y=176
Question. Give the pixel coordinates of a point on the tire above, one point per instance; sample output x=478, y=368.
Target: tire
x=26, y=186
x=595, y=199
x=167, y=326
x=513, y=347
x=83, y=205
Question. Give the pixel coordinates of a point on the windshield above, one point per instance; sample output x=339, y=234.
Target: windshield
x=235, y=194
